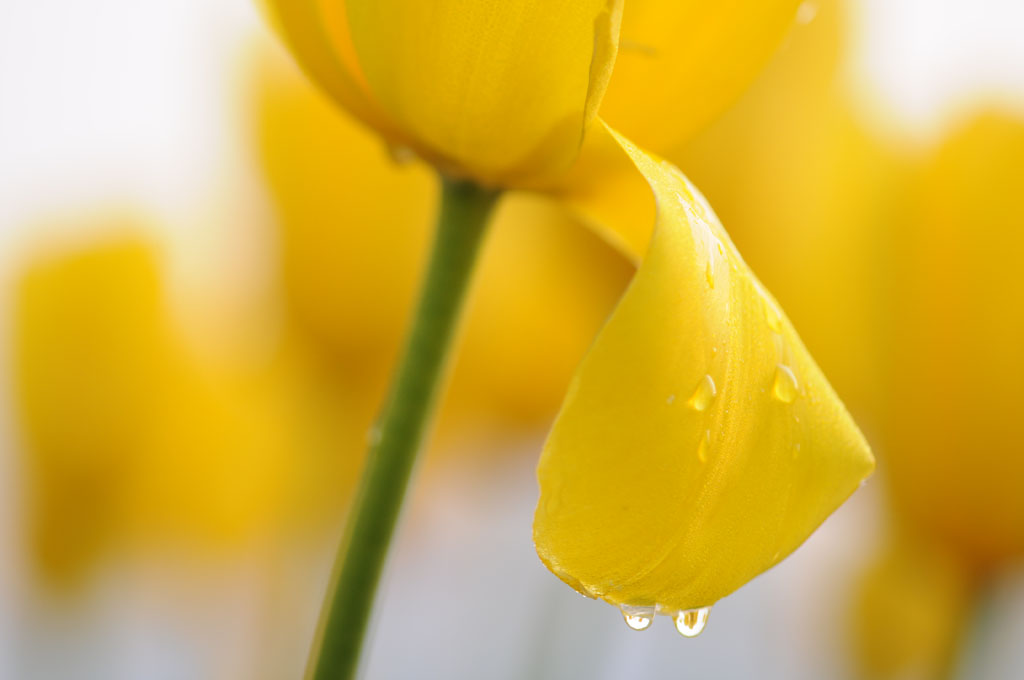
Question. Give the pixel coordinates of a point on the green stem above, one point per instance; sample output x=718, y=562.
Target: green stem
x=404, y=421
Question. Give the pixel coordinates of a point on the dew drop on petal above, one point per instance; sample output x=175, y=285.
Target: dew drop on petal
x=690, y=623
x=771, y=317
x=703, y=394
x=704, y=447
x=671, y=399
x=709, y=272
x=638, y=618
x=785, y=388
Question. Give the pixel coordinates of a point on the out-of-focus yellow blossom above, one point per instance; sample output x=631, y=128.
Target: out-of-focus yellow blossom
x=950, y=395
x=914, y=605
x=681, y=62
x=503, y=91
x=955, y=372
x=89, y=344
x=698, y=410
x=352, y=255
x=131, y=441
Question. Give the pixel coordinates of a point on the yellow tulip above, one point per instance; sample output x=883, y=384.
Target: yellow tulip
x=500, y=91
x=699, y=443
x=503, y=91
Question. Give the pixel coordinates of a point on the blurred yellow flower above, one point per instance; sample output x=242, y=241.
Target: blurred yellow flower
x=949, y=396
x=954, y=367
x=503, y=91
x=132, y=441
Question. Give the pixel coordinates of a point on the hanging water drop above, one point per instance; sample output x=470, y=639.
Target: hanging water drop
x=638, y=618
x=703, y=394
x=690, y=623
x=785, y=387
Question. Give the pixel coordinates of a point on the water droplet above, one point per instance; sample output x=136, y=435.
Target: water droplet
x=703, y=394
x=796, y=450
x=806, y=12
x=671, y=399
x=638, y=618
x=709, y=271
x=785, y=388
x=704, y=447
x=771, y=316
x=721, y=248
x=690, y=623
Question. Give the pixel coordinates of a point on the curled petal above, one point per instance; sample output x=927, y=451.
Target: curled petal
x=699, y=443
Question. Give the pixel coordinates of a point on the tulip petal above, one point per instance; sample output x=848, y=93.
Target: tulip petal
x=301, y=26
x=501, y=89
x=682, y=61
x=699, y=443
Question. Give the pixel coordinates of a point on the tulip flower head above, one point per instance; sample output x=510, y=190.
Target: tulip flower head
x=504, y=91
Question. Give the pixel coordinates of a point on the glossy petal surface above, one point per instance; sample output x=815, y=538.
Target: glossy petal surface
x=301, y=26
x=501, y=90
x=699, y=443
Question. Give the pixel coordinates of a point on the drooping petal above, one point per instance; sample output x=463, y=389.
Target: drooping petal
x=699, y=443
x=501, y=89
x=682, y=61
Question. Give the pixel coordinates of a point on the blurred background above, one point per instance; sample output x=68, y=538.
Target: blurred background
x=205, y=272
